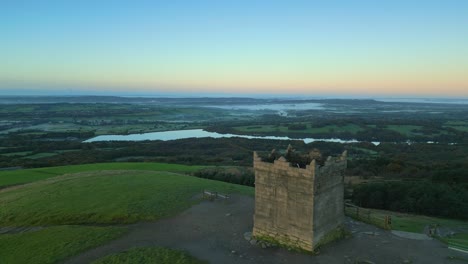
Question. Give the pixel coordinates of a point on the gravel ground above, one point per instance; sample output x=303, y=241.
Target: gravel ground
x=214, y=231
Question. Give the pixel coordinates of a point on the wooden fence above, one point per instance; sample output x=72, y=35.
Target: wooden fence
x=368, y=216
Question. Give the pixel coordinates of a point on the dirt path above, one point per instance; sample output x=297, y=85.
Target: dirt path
x=213, y=231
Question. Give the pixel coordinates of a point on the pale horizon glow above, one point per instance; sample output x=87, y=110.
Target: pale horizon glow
x=414, y=48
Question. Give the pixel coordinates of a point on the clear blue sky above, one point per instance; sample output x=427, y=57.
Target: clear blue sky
x=308, y=47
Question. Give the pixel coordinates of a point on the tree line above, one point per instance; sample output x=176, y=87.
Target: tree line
x=419, y=197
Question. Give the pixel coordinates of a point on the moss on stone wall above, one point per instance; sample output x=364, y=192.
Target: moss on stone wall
x=336, y=234
x=285, y=243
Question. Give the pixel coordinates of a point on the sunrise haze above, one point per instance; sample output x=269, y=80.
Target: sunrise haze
x=274, y=47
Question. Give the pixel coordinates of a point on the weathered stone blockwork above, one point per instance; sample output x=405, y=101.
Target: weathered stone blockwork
x=298, y=207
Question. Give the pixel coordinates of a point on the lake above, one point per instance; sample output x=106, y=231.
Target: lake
x=200, y=133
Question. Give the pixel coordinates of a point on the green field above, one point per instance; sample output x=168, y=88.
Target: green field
x=41, y=155
x=367, y=151
x=351, y=128
x=461, y=128
x=150, y=255
x=458, y=125
x=102, y=129
x=21, y=153
x=109, y=118
x=88, y=195
x=407, y=130
x=105, y=197
x=8, y=178
x=459, y=241
x=417, y=224
x=54, y=244
x=119, y=193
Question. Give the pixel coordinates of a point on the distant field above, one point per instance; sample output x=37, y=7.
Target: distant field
x=54, y=244
x=29, y=155
x=22, y=153
x=150, y=255
x=105, y=197
x=407, y=130
x=458, y=125
x=460, y=128
x=367, y=151
x=351, y=128
x=8, y=178
x=102, y=129
x=110, y=118
x=41, y=155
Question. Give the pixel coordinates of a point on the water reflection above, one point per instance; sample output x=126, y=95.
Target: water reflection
x=200, y=133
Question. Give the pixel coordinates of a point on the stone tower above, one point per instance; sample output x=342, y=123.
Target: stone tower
x=298, y=207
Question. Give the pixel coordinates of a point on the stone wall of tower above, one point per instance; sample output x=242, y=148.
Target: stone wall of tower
x=328, y=197
x=297, y=207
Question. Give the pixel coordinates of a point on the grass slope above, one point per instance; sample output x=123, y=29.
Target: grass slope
x=8, y=178
x=53, y=244
x=459, y=241
x=105, y=197
x=150, y=255
x=417, y=223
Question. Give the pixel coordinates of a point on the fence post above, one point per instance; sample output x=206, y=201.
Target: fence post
x=388, y=222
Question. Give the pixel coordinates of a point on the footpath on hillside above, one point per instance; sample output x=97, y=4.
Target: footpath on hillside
x=214, y=231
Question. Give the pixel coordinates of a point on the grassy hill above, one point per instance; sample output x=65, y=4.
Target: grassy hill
x=54, y=244
x=9, y=178
x=104, y=197
x=87, y=195
x=150, y=255
x=67, y=202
